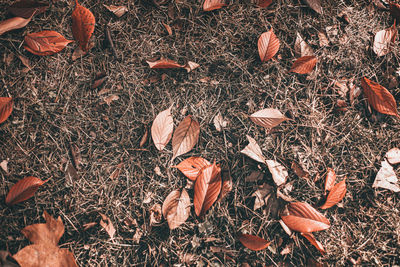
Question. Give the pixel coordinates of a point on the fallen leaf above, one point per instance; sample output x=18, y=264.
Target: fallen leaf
x=144, y=138
x=299, y=171
x=45, y=43
x=191, y=167
x=118, y=11
x=304, y=218
x=383, y=40
x=304, y=65
x=278, y=171
x=323, y=39
x=335, y=195
x=393, y=155
x=263, y=3
x=285, y=228
x=162, y=128
x=394, y=9
x=49, y=232
x=25, y=61
x=71, y=174
x=227, y=184
x=110, y=99
x=268, y=45
x=342, y=88
x=76, y=156
x=301, y=47
x=78, y=52
x=115, y=174
x=219, y=122
x=168, y=28
x=330, y=179
x=379, y=97
x=253, y=242
x=260, y=194
x=254, y=176
x=268, y=118
x=3, y=165
x=190, y=65
x=315, y=5
x=386, y=178
x=253, y=150
x=23, y=190
x=155, y=214
x=28, y=8
x=13, y=24
x=213, y=4
x=8, y=58
x=310, y=237
x=87, y=226
x=185, y=136
x=106, y=223
x=164, y=64
x=176, y=208
x=83, y=22
x=6, y=107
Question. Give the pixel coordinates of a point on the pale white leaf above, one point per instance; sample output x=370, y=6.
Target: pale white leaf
x=268, y=117
x=253, y=150
x=162, y=128
x=383, y=39
x=393, y=155
x=278, y=171
x=386, y=178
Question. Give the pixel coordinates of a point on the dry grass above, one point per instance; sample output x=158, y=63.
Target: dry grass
x=54, y=106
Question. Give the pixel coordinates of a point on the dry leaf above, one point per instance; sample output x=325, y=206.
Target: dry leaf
x=342, y=88
x=393, y=155
x=394, y=10
x=162, y=128
x=268, y=45
x=253, y=242
x=106, y=223
x=155, y=214
x=191, y=167
x=190, y=65
x=83, y=22
x=185, y=136
x=28, y=8
x=315, y=5
x=164, y=64
x=118, y=11
x=45, y=43
x=76, y=155
x=301, y=47
x=23, y=190
x=6, y=107
x=227, y=184
x=383, y=40
x=3, y=165
x=386, y=178
x=268, y=117
x=253, y=150
x=261, y=193
x=176, y=208
x=254, y=176
x=115, y=174
x=263, y=3
x=213, y=4
x=13, y=24
x=335, y=195
x=25, y=62
x=285, y=228
x=168, y=28
x=144, y=138
x=49, y=232
x=78, y=52
x=278, y=171
x=299, y=171
x=310, y=237
x=71, y=173
x=304, y=65
x=323, y=39
x=219, y=122
x=110, y=99
x=379, y=97
x=330, y=179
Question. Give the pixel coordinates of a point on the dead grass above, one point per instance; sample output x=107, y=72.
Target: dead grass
x=55, y=106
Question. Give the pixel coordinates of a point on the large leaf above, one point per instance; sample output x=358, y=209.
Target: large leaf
x=45, y=43
x=253, y=242
x=23, y=190
x=304, y=218
x=383, y=40
x=304, y=64
x=13, y=24
x=330, y=179
x=315, y=5
x=268, y=117
x=83, y=23
x=310, y=237
x=6, y=107
x=185, y=136
x=162, y=128
x=335, y=195
x=191, y=167
x=386, y=178
x=164, y=64
x=268, y=45
x=213, y=4
x=176, y=208
x=278, y=171
x=26, y=8
x=253, y=150
x=206, y=188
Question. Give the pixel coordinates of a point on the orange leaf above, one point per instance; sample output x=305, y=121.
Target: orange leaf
x=383, y=40
x=394, y=10
x=45, y=43
x=213, y=4
x=162, y=128
x=335, y=195
x=304, y=218
x=176, y=208
x=13, y=24
x=206, y=188
x=268, y=117
x=164, y=64
x=263, y=3
x=304, y=65
x=379, y=97
x=310, y=237
x=23, y=190
x=185, y=136
x=191, y=167
x=268, y=45
x=26, y=8
x=253, y=242
x=83, y=22
x=6, y=107
x=330, y=179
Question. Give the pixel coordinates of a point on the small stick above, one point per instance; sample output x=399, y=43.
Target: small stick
x=110, y=41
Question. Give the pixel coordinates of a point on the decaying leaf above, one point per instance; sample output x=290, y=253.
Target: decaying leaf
x=219, y=122
x=185, y=136
x=117, y=171
x=253, y=242
x=263, y=3
x=379, y=97
x=254, y=176
x=268, y=45
x=330, y=179
x=169, y=29
x=394, y=9
x=323, y=39
x=23, y=190
x=162, y=128
x=386, y=178
x=13, y=24
x=315, y=5
x=301, y=47
x=176, y=208
x=106, y=223
x=45, y=43
x=278, y=171
x=49, y=232
x=261, y=193
x=3, y=165
x=83, y=22
x=213, y=4
x=164, y=64
x=383, y=40
x=190, y=65
x=109, y=99
x=299, y=171
x=118, y=11
x=191, y=167
x=27, y=8
x=304, y=65
x=155, y=214
x=393, y=155
x=227, y=184
x=71, y=174
x=310, y=237
x=6, y=107
x=268, y=117
x=335, y=195
x=253, y=150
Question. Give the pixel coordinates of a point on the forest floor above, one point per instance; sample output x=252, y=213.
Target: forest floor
x=55, y=108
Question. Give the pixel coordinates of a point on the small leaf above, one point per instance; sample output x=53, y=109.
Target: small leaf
x=164, y=64
x=268, y=117
x=330, y=179
x=299, y=171
x=393, y=155
x=383, y=40
x=253, y=150
x=45, y=43
x=227, y=184
x=253, y=242
x=118, y=11
x=261, y=193
x=335, y=195
x=176, y=208
x=278, y=171
x=83, y=22
x=27, y=8
x=6, y=107
x=13, y=24
x=190, y=65
x=310, y=237
x=315, y=5
x=213, y=4
x=23, y=190
x=268, y=45
x=191, y=167
x=379, y=97
x=162, y=128
x=304, y=64
x=106, y=223
x=185, y=136
x=386, y=178
x=263, y=3
x=301, y=47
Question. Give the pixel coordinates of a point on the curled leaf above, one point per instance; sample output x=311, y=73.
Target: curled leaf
x=253, y=242
x=162, y=128
x=45, y=43
x=330, y=179
x=176, y=208
x=13, y=24
x=268, y=118
x=27, y=8
x=304, y=64
x=253, y=150
x=83, y=22
x=106, y=223
x=23, y=190
x=191, y=167
x=118, y=11
x=6, y=107
x=315, y=5
x=209, y=5
x=335, y=195
x=383, y=40
x=268, y=45
x=310, y=237
x=185, y=136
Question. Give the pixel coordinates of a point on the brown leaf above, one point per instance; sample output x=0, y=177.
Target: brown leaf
x=27, y=8
x=304, y=218
x=99, y=80
x=106, y=223
x=335, y=195
x=76, y=155
x=253, y=242
x=323, y=39
x=168, y=28
x=6, y=107
x=315, y=5
x=144, y=138
x=110, y=99
x=118, y=11
x=78, y=52
x=25, y=61
x=304, y=65
x=13, y=24
x=379, y=97
x=115, y=174
x=261, y=193
x=383, y=40
x=263, y=3
x=394, y=10
x=302, y=48
x=299, y=171
x=254, y=176
x=393, y=155
x=227, y=184
x=191, y=167
x=268, y=45
x=190, y=65
x=155, y=214
x=162, y=128
x=219, y=122
x=213, y=4
x=185, y=136
x=45, y=43
x=71, y=173
x=330, y=179
x=310, y=237
x=278, y=171
x=253, y=150
x=268, y=117
x=176, y=208
x=23, y=190
x=164, y=64
x=206, y=188
x=83, y=23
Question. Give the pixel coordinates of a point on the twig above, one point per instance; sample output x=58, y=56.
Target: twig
x=110, y=41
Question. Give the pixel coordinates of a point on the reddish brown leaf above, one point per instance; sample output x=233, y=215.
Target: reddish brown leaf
x=206, y=188
x=383, y=40
x=335, y=195
x=330, y=179
x=253, y=242
x=263, y=3
x=185, y=136
x=268, y=117
x=304, y=64
x=304, y=218
x=227, y=184
x=162, y=128
x=213, y=4
x=299, y=171
x=23, y=190
x=394, y=10
x=83, y=23
x=268, y=45
x=45, y=43
x=13, y=24
x=164, y=64
x=379, y=97
x=176, y=208
x=191, y=167
x=6, y=107
x=26, y=8
x=106, y=223
x=310, y=237
x=315, y=5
